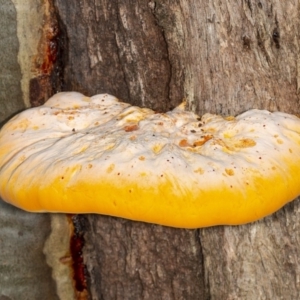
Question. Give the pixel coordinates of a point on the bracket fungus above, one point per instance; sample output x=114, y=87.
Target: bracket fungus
x=78, y=154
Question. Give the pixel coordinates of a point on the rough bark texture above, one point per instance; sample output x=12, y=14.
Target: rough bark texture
x=132, y=260
x=254, y=261
x=222, y=57
x=117, y=48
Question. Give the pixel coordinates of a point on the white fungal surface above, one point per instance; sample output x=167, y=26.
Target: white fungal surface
x=73, y=139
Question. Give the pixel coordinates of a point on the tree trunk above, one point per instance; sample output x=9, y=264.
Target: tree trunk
x=222, y=57
x=24, y=273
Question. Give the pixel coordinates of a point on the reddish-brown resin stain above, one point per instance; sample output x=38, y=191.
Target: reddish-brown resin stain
x=76, y=248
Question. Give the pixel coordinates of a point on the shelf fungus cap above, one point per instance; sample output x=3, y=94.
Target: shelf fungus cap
x=78, y=154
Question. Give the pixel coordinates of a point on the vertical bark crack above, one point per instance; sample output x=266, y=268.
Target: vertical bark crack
x=206, y=284
x=152, y=6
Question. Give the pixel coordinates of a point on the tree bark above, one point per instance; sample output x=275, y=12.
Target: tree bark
x=222, y=57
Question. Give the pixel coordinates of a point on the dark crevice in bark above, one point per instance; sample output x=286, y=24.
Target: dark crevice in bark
x=249, y=4
x=166, y=46
x=77, y=242
x=169, y=17
x=62, y=54
x=93, y=266
x=276, y=34
x=206, y=289
x=127, y=85
x=169, y=78
x=261, y=44
x=156, y=60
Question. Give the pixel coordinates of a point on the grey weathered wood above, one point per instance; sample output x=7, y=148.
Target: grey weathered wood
x=10, y=71
x=235, y=55
x=24, y=273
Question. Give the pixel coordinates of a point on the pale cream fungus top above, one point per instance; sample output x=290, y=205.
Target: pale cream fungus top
x=77, y=154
